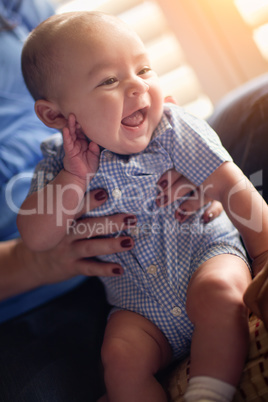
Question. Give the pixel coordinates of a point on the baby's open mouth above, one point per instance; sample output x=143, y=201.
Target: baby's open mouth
x=135, y=119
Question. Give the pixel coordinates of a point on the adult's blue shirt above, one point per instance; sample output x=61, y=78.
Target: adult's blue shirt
x=21, y=133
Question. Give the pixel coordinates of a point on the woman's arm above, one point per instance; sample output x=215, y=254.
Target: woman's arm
x=173, y=186
x=22, y=269
x=15, y=266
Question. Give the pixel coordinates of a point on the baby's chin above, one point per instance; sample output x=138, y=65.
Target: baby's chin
x=134, y=148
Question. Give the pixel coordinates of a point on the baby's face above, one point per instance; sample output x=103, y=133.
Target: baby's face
x=107, y=82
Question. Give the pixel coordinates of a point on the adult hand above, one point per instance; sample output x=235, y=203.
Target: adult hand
x=77, y=253
x=22, y=269
x=174, y=186
x=256, y=295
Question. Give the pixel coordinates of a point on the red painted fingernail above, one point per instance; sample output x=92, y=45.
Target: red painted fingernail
x=161, y=201
x=208, y=218
x=100, y=195
x=130, y=220
x=126, y=243
x=163, y=184
x=116, y=271
x=180, y=216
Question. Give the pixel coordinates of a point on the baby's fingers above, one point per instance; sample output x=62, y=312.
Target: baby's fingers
x=72, y=126
x=67, y=140
x=94, y=148
x=68, y=134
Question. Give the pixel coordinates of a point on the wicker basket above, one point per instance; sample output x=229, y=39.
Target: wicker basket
x=254, y=381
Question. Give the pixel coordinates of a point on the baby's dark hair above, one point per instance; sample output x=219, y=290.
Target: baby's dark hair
x=39, y=62
x=40, y=59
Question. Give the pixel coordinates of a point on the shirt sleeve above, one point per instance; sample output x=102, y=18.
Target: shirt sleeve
x=196, y=149
x=52, y=163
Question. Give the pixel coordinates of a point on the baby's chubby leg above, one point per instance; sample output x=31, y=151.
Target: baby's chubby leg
x=133, y=351
x=215, y=306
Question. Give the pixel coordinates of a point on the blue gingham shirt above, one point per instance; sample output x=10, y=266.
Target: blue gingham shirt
x=166, y=253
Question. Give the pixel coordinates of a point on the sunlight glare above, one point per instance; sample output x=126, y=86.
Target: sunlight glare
x=260, y=36
x=253, y=12
x=79, y=5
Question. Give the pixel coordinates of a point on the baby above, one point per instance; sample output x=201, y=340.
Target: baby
x=183, y=285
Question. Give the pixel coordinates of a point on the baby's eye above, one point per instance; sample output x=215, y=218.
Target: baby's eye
x=109, y=81
x=144, y=70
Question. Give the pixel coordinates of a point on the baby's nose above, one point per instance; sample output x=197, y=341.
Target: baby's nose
x=137, y=87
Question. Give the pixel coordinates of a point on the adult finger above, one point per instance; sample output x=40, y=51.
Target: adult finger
x=100, y=246
x=94, y=267
x=173, y=186
x=170, y=99
x=214, y=209
x=100, y=226
x=190, y=206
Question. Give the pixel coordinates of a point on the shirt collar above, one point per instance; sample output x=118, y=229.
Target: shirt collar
x=164, y=124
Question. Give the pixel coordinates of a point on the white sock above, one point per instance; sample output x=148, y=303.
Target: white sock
x=203, y=388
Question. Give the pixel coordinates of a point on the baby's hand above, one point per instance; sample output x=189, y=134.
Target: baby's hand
x=81, y=158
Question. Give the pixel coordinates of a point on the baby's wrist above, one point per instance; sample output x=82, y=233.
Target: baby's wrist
x=74, y=179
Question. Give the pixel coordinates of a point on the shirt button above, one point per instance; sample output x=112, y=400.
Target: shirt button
x=152, y=269
x=176, y=311
x=108, y=155
x=117, y=194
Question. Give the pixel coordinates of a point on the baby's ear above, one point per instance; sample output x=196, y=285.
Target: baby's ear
x=49, y=114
